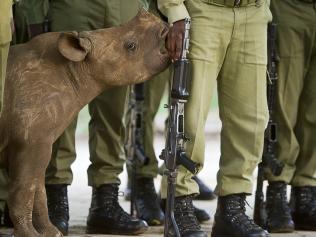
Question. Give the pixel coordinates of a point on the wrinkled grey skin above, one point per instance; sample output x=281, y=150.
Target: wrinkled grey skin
x=48, y=81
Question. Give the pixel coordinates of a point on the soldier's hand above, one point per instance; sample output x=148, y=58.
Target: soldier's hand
x=175, y=40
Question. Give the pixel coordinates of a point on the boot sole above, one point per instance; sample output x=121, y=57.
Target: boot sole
x=155, y=222
x=223, y=235
x=98, y=230
x=304, y=227
x=220, y=235
x=282, y=230
x=216, y=234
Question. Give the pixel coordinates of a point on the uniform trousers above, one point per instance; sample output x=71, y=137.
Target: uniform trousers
x=295, y=112
x=228, y=46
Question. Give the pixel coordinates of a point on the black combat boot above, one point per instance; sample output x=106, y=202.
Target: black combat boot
x=6, y=217
x=106, y=216
x=205, y=192
x=303, y=204
x=1, y=216
x=147, y=203
x=201, y=214
x=232, y=221
x=279, y=219
x=3, y=234
x=58, y=208
x=184, y=214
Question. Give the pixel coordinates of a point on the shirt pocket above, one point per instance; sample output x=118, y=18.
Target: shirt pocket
x=255, y=41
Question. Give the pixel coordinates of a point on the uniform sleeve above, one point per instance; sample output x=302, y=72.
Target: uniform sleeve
x=5, y=18
x=144, y=4
x=174, y=10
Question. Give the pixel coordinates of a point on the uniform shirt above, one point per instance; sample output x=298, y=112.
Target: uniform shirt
x=35, y=10
x=5, y=19
x=174, y=10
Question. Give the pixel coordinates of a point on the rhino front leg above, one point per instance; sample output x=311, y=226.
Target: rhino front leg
x=20, y=202
x=27, y=165
x=41, y=220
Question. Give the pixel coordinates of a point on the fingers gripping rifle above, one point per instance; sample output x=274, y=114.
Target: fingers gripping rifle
x=136, y=157
x=269, y=159
x=174, y=154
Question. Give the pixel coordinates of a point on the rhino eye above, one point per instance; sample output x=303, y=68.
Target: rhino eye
x=131, y=46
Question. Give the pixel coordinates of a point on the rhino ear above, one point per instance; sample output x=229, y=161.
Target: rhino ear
x=74, y=47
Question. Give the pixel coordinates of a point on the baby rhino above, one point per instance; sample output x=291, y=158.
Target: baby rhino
x=48, y=81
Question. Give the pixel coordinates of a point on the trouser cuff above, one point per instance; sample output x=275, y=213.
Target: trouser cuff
x=286, y=175
x=98, y=182
x=224, y=189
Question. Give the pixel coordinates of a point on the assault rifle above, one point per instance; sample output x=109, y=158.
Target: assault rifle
x=269, y=159
x=174, y=154
x=136, y=157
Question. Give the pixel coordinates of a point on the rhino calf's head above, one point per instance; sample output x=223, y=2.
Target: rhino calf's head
x=131, y=53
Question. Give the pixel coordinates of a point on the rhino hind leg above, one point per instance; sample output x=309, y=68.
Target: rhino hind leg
x=41, y=220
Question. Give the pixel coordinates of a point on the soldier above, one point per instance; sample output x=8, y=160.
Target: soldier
x=295, y=116
x=153, y=92
x=228, y=46
x=106, y=134
x=6, y=22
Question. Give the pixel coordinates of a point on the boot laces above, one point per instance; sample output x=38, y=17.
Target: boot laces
x=277, y=201
x=308, y=200
x=149, y=196
x=237, y=212
x=112, y=206
x=184, y=215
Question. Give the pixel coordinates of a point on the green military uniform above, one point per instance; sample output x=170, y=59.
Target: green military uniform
x=228, y=47
x=5, y=38
x=154, y=90
x=296, y=101
x=106, y=128
x=28, y=15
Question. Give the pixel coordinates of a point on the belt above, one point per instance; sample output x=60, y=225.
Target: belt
x=233, y=3
x=40, y=28
x=308, y=1
x=313, y=2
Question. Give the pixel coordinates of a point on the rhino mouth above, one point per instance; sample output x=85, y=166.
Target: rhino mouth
x=163, y=51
